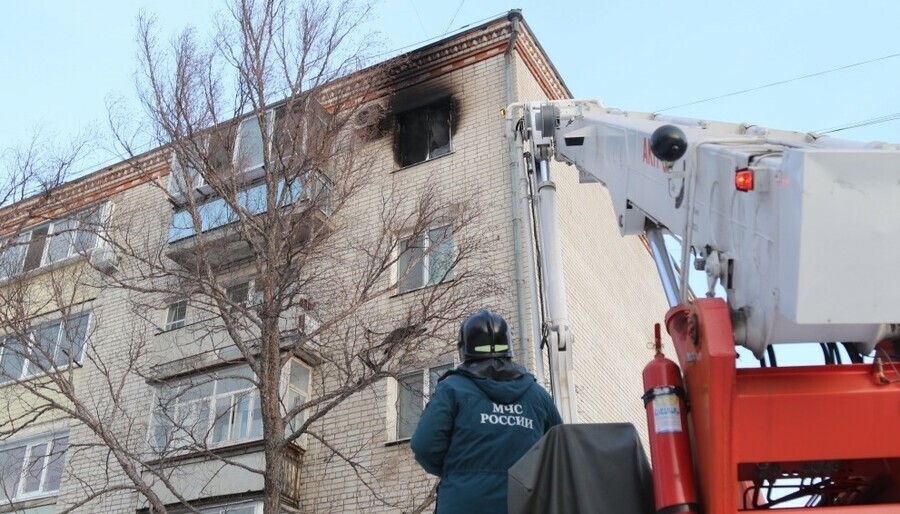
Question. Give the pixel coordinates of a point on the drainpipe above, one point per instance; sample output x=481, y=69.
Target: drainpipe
x=515, y=178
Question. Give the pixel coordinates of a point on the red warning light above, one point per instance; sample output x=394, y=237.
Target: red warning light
x=743, y=179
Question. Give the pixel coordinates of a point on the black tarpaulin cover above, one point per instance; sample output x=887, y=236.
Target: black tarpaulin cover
x=595, y=468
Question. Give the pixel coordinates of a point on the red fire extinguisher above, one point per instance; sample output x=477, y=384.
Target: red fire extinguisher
x=670, y=450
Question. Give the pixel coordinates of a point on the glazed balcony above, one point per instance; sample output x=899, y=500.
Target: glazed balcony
x=215, y=235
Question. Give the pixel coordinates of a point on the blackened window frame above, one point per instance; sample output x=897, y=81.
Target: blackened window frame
x=425, y=133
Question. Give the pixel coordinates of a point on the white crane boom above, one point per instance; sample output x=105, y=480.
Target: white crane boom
x=802, y=232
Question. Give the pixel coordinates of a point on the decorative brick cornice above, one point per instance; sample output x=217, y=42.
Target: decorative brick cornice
x=83, y=192
x=465, y=49
x=440, y=58
x=540, y=66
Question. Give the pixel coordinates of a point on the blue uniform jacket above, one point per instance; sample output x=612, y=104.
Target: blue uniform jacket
x=473, y=430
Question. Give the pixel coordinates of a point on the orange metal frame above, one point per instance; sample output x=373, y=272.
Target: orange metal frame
x=836, y=422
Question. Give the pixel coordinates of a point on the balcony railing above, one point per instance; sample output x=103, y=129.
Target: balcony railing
x=293, y=467
x=202, y=477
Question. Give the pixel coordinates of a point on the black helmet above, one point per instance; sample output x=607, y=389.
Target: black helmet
x=484, y=335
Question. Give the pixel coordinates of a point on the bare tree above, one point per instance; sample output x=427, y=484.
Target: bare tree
x=270, y=143
x=40, y=313
x=285, y=239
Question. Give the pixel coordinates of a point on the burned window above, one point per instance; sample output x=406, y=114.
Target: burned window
x=424, y=133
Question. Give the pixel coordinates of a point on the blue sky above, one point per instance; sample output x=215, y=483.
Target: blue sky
x=62, y=61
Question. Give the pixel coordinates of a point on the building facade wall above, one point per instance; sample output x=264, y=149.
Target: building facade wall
x=613, y=298
x=106, y=383
x=122, y=353
x=476, y=171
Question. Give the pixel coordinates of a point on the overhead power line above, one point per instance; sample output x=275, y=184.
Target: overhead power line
x=856, y=124
x=780, y=82
x=454, y=16
x=435, y=38
x=422, y=25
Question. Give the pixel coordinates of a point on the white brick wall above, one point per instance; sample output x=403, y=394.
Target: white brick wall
x=477, y=170
x=120, y=398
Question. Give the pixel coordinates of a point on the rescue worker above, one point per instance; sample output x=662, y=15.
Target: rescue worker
x=483, y=417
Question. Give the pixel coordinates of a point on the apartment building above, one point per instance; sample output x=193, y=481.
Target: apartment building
x=131, y=298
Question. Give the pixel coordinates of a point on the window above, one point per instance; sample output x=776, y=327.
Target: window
x=185, y=175
x=34, y=252
x=219, y=408
x=243, y=293
x=32, y=468
x=176, y=315
x=300, y=131
x=250, y=143
x=241, y=508
x=52, y=242
x=214, y=408
x=297, y=392
x=50, y=346
x=413, y=392
x=220, y=148
x=12, y=252
x=427, y=259
x=424, y=133
x=215, y=212
x=225, y=148
x=238, y=293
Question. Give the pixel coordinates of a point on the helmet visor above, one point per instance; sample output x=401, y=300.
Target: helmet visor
x=487, y=348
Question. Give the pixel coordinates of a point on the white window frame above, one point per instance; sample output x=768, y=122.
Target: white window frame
x=72, y=234
x=215, y=213
x=266, y=142
x=254, y=297
x=23, y=245
x=176, y=172
x=419, y=111
x=26, y=373
x=314, y=115
x=20, y=246
x=290, y=391
x=198, y=183
x=402, y=275
x=184, y=404
x=230, y=508
x=51, y=440
x=394, y=396
x=171, y=323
